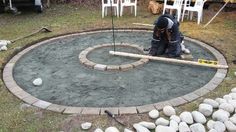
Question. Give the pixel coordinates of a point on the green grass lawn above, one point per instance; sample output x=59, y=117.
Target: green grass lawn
x=64, y=19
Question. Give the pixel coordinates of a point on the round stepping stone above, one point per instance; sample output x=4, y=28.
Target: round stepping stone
x=198, y=117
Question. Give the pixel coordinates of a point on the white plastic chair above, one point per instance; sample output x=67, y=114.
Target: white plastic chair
x=177, y=5
x=198, y=7
x=128, y=3
x=109, y=3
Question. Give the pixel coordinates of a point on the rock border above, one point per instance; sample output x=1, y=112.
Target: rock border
x=123, y=67
x=26, y=97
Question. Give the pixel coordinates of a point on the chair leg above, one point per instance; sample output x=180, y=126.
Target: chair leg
x=103, y=12
x=135, y=10
x=163, y=10
x=131, y=9
x=117, y=11
x=179, y=13
x=183, y=15
x=198, y=17
x=121, y=10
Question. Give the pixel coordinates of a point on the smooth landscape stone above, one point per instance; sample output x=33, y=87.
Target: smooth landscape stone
x=233, y=119
x=233, y=103
x=186, y=117
x=219, y=126
x=233, y=95
x=98, y=130
x=230, y=126
x=227, y=97
x=4, y=42
x=112, y=129
x=220, y=115
x=140, y=128
x=169, y=111
x=127, y=130
x=198, y=117
x=210, y=124
x=183, y=127
x=86, y=125
x=212, y=130
x=175, y=118
x=197, y=127
x=205, y=109
x=235, y=74
x=233, y=90
x=162, y=121
x=211, y=102
x=153, y=114
x=148, y=125
x=220, y=100
x=3, y=48
x=174, y=125
x=38, y=82
x=160, y=128
x=227, y=107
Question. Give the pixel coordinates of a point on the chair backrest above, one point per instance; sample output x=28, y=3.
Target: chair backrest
x=178, y=2
x=128, y=1
x=199, y=3
x=108, y=2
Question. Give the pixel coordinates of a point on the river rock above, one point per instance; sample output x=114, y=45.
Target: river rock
x=112, y=129
x=148, y=125
x=233, y=95
x=233, y=90
x=169, y=111
x=230, y=126
x=127, y=130
x=198, y=117
x=233, y=103
x=211, y=102
x=98, y=130
x=183, y=127
x=197, y=127
x=38, y=82
x=153, y=114
x=219, y=126
x=210, y=124
x=162, y=121
x=220, y=100
x=86, y=125
x=212, y=130
x=227, y=107
x=140, y=128
x=233, y=119
x=160, y=128
x=175, y=118
x=220, y=115
x=174, y=125
x=205, y=109
x=186, y=117
x=3, y=48
x=227, y=97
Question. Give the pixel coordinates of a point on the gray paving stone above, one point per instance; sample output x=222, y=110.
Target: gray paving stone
x=91, y=111
x=100, y=67
x=190, y=97
x=89, y=64
x=217, y=80
x=223, y=71
x=42, y=104
x=220, y=75
x=161, y=105
x=210, y=86
x=30, y=99
x=126, y=67
x=113, y=68
x=73, y=110
x=137, y=63
x=127, y=110
x=113, y=110
x=145, y=60
x=201, y=91
x=56, y=108
x=177, y=101
x=21, y=94
x=145, y=108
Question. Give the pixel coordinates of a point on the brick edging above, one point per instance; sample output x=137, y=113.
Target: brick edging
x=26, y=97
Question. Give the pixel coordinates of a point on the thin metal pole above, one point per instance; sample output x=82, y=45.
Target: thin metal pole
x=113, y=32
